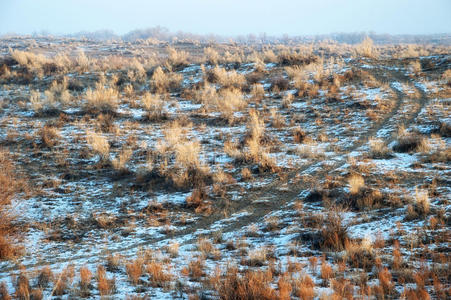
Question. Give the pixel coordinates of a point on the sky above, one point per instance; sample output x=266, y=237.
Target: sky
x=227, y=17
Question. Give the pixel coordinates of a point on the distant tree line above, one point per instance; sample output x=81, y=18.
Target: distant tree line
x=163, y=34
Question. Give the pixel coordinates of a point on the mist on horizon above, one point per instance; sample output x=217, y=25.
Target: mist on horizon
x=229, y=18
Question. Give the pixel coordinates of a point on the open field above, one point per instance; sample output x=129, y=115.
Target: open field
x=224, y=171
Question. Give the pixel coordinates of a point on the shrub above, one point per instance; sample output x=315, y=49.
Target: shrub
x=333, y=233
x=356, y=183
x=99, y=144
x=211, y=55
x=161, y=81
x=379, y=149
x=102, y=99
x=159, y=277
x=251, y=285
x=177, y=58
x=49, y=136
x=106, y=286
x=154, y=106
x=227, y=79
x=366, y=48
x=134, y=270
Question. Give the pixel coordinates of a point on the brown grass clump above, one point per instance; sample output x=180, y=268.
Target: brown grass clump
x=85, y=281
x=85, y=276
x=251, y=285
x=299, y=135
x=228, y=102
x=195, y=269
x=208, y=249
x=23, y=288
x=178, y=158
x=326, y=270
x=177, y=58
x=410, y=142
x=284, y=288
x=385, y=287
x=256, y=153
x=257, y=92
x=359, y=255
x=211, y=55
x=49, y=136
x=421, y=205
x=227, y=79
x=334, y=234
x=119, y=163
x=422, y=201
x=304, y=288
x=102, y=99
x=356, y=183
x=45, y=277
x=161, y=81
x=106, y=286
x=63, y=281
x=99, y=144
x=379, y=149
x=159, y=277
x=154, y=106
x=10, y=185
x=366, y=48
x=134, y=270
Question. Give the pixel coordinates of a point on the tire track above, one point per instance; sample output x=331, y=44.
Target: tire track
x=275, y=198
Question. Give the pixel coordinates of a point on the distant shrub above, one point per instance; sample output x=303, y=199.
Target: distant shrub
x=366, y=48
x=177, y=58
x=211, y=55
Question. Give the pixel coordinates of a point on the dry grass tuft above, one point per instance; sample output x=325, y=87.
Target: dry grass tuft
x=135, y=270
x=159, y=277
x=366, y=48
x=304, y=288
x=379, y=149
x=119, y=163
x=49, y=136
x=356, y=183
x=106, y=286
x=99, y=144
x=154, y=105
x=10, y=186
x=334, y=234
x=161, y=82
x=251, y=285
x=410, y=142
x=102, y=99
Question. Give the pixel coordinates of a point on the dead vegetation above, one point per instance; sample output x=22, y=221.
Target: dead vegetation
x=223, y=170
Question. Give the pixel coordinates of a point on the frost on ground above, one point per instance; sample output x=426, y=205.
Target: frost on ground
x=217, y=173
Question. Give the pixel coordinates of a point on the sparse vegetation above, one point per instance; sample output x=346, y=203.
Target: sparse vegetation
x=246, y=169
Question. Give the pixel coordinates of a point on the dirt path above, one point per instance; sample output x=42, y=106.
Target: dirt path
x=274, y=197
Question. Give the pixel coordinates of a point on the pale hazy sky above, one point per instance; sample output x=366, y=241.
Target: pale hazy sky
x=227, y=17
